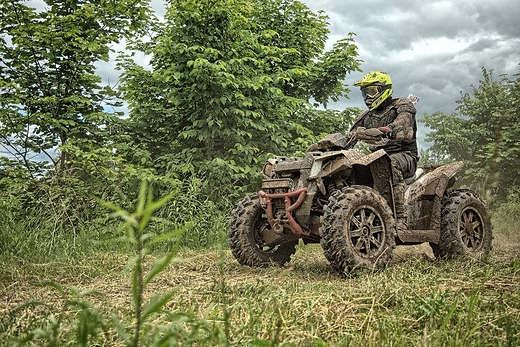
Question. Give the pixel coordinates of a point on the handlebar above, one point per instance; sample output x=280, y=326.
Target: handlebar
x=339, y=141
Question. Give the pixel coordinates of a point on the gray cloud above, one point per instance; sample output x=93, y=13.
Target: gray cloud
x=433, y=49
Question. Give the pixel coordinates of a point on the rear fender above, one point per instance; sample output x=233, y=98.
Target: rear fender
x=424, y=197
x=435, y=182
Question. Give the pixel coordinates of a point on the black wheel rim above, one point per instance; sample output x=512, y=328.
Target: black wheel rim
x=471, y=229
x=366, y=232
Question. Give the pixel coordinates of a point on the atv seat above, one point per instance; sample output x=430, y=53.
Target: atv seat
x=418, y=173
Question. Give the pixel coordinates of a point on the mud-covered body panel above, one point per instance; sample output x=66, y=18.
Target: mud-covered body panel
x=423, y=198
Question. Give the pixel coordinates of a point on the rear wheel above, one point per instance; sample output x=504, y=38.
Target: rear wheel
x=252, y=240
x=465, y=226
x=358, y=230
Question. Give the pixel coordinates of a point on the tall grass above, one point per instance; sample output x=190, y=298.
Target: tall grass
x=171, y=295
x=38, y=234
x=506, y=218
x=216, y=302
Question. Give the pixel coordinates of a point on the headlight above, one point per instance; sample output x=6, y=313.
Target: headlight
x=267, y=171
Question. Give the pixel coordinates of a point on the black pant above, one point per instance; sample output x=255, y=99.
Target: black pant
x=403, y=163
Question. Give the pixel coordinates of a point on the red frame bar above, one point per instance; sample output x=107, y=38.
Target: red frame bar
x=293, y=224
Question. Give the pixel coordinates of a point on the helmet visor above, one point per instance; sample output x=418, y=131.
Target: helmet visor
x=371, y=91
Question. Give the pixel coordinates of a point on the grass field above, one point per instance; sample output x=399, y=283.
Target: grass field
x=215, y=301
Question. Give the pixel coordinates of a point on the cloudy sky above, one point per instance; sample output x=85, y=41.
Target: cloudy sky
x=434, y=49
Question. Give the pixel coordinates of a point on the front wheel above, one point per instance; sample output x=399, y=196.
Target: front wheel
x=252, y=240
x=465, y=226
x=358, y=230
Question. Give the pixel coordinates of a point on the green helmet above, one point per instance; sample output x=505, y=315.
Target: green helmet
x=376, y=87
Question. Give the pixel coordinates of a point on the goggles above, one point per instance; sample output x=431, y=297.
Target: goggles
x=371, y=91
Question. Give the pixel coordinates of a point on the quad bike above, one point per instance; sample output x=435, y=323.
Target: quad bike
x=344, y=200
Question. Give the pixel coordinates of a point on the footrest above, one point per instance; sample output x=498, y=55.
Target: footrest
x=418, y=236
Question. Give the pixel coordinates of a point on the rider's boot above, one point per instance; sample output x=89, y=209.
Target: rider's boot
x=400, y=209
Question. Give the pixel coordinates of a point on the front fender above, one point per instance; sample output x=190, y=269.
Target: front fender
x=329, y=163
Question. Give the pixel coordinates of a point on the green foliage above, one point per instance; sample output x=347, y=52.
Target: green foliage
x=58, y=214
x=13, y=182
x=305, y=33
x=53, y=325
x=484, y=134
x=505, y=215
x=229, y=85
x=209, y=219
x=62, y=202
x=49, y=93
x=448, y=136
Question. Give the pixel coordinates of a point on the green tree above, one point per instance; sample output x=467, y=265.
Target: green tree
x=53, y=109
x=50, y=96
x=231, y=82
x=484, y=134
x=305, y=32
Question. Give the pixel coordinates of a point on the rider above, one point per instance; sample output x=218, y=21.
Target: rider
x=396, y=119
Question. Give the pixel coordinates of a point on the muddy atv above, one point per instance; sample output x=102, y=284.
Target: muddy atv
x=344, y=200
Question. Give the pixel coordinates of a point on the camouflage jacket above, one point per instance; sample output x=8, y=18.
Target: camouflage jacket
x=398, y=115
